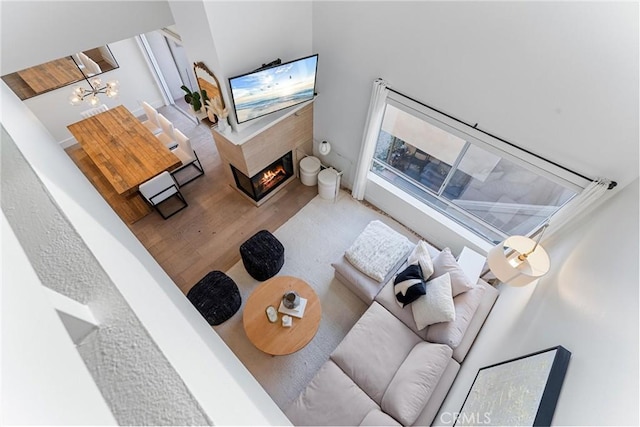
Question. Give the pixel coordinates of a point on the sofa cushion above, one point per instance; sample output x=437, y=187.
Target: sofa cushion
x=421, y=255
x=445, y=262
x=387, y=298
x=374, y=349
x=431, y=409
x=409, y=285
x=377, y=250
x=359, y=283
x=436, y=305
x=415, y=380
x=331, y=398
x=378, y=418
x=451, y=333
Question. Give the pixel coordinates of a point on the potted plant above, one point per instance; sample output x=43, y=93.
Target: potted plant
x=192, y=98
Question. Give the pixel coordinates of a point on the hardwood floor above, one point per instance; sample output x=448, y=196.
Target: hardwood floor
x=207, y=234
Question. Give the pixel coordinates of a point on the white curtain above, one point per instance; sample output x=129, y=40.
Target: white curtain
x=576, y=207
x=370, y=137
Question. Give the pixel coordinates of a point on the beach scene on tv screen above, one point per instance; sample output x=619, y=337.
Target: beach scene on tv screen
x=270, y=90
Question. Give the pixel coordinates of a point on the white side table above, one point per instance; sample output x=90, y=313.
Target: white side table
x=471, y=263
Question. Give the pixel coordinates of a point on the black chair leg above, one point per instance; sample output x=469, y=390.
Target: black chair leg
x=179, y=196
x=196, y=164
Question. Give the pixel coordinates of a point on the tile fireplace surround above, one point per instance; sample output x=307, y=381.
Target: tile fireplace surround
x=267, y=180
x=253, y=148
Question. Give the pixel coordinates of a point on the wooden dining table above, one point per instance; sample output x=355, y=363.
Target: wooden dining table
x=125, y=152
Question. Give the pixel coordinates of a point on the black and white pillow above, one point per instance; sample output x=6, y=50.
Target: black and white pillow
x=409, y=285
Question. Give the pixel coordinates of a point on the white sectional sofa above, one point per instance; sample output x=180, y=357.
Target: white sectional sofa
x=386, y=371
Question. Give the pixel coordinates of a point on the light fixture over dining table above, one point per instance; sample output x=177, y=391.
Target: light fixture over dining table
x=80, y=93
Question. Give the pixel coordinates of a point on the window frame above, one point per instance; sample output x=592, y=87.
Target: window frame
x=484, y=141
x=501, y=148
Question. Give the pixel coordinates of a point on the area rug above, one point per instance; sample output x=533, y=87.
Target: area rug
x=315, y=237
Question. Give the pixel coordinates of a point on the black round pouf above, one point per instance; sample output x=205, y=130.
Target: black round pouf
x=262, y=255
x=216, y=297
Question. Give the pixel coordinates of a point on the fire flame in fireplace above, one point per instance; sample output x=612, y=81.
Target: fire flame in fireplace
x=271, y=177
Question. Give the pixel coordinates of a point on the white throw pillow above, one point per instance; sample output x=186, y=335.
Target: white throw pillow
x=436, y=305
x=420, y=255
x=445, y=262
x=378, y=249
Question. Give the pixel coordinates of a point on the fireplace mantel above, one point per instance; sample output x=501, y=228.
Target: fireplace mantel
x=251, y=129
x=260, y=144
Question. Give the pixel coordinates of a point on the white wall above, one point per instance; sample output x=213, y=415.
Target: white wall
x=136, y=84
x=557, y=78
x=248, y=34
x=34, y=32
x=44, y=380
x=588, y=304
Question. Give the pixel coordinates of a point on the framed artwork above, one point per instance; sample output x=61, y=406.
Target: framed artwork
x=522, y=391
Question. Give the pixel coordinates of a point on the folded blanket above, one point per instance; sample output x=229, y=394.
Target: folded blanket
x=377, y=250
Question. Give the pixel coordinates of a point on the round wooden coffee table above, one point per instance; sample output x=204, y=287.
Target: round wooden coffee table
x=273, y=338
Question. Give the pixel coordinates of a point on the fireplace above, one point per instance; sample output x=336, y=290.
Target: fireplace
x=267, y=180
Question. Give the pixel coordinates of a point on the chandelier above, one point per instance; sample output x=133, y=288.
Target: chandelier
x=80, y=94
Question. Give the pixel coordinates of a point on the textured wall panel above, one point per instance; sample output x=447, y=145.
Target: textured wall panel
x=135, y=378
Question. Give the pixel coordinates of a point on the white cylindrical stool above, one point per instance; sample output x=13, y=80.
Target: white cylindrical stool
x=309, y=168
x=328, y=183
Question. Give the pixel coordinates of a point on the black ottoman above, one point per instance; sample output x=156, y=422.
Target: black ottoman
x=262, y=255
x=216, y=297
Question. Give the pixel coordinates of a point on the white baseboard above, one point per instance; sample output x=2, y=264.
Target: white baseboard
x=66, y=143
x=138, y=112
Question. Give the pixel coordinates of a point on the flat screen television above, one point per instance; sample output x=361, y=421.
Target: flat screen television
x=272, y=89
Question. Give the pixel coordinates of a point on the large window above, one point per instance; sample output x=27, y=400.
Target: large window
x=492, y=191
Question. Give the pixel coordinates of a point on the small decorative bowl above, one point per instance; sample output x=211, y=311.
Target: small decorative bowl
x=291, y=300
